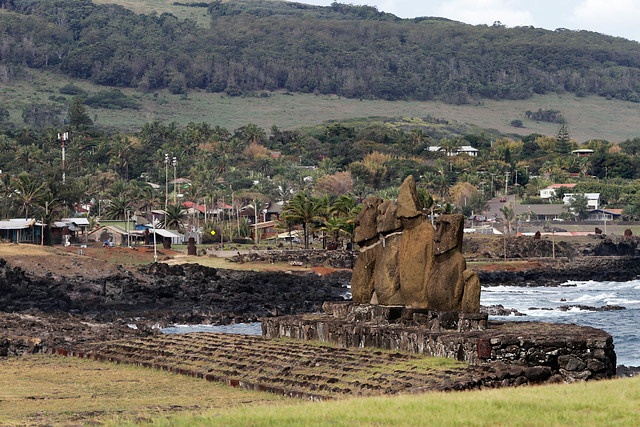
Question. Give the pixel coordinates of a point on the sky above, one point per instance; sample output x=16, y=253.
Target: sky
x=612, y=17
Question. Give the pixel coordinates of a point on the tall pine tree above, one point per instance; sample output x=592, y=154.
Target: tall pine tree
x=563, y=140
x=77, y=115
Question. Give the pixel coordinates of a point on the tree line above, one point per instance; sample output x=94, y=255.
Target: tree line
x=256, y=166
x=352, y=51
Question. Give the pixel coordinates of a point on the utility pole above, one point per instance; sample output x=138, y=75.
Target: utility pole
x=166, y=188
x=506, y=183
x=46, y=213
x=64, y=138
x=492, y=175
x=155, y=250
x=175, y=184
x=255, y=215
x=126, y=214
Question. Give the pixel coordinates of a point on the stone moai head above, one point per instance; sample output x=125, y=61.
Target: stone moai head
x=449, y=231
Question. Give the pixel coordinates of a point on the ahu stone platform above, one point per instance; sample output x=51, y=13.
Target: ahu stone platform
x=559, y=352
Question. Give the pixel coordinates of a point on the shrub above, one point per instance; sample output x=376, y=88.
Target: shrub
x=71, y=89
x=113, y=99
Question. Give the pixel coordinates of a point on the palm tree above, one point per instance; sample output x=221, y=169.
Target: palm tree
x=49, y=208
x=286, y=223
x=418, y=136
x=120, y=152
x=146, y=198
x=117, y=208
x=449, y=145
x=346, y=208
x=508, y=215
x=252, y=134
x=7, y=192
x=303, y=209
x=175, y=215
x=28, y=192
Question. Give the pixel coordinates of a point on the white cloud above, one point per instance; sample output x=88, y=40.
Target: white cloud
x=614, y=17
x=485, y=12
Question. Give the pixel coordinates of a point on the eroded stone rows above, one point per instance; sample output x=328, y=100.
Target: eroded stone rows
x=293, y=368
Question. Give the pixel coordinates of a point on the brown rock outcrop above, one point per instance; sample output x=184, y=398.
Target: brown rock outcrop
x=405, y=261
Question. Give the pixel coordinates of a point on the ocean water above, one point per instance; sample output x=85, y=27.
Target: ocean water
x=623, y=325
x=254, y=328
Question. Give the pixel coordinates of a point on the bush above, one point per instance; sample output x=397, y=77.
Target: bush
x=71, y=89
x=517, y=123
x=112, y=99
x=551, y=116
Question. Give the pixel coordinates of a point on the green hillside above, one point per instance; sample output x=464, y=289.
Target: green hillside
x=590, y=117
x=351, y=51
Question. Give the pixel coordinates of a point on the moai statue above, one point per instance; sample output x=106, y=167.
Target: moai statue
x=403, y=260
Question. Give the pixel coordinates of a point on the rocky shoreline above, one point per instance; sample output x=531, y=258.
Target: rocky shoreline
x=552, y=272
x=38, y=313
x=164, y=294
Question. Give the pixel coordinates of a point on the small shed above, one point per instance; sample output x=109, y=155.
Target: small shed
x=113, y=233
x=176, y=238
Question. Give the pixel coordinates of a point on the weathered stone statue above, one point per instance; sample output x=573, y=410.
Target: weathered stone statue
x=404, y=261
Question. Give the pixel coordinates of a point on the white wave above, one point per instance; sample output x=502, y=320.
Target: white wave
x=594, y=298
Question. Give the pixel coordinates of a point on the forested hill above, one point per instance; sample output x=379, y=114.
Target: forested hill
x=353, y=51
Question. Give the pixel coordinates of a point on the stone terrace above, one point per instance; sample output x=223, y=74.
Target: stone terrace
x=301, y=369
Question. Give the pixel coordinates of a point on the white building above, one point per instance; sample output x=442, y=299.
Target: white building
x=550, y=191
x=593, y=199
x=465, y=149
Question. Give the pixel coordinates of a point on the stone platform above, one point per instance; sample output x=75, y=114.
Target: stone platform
x=560, y=352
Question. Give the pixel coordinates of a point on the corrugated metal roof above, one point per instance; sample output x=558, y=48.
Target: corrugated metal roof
x=544, y=209
x=77, y=221
x=16, y=223
x=165, y=233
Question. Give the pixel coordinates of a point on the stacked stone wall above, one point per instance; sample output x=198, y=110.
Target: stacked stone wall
x=549, y=352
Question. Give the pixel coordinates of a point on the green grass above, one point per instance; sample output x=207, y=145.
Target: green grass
x=603, y=403
x=43, y=390
x=589, y=117
x=39, y=390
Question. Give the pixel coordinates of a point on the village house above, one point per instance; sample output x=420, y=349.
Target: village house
x=464, y=149
x=21, y=230
x=605, y=214
x=593, y=199
x=550, y=191
x=544, y=212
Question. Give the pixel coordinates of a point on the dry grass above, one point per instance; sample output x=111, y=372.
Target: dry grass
x=42, y=390
x=198, y=14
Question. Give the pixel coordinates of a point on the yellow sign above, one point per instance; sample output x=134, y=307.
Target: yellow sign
x=213, y=233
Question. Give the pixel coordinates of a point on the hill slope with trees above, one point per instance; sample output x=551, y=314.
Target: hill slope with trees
x=352, y=51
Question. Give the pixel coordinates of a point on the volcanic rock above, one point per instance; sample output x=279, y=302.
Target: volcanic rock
x=407, y=262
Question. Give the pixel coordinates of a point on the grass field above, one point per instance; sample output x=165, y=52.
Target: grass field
x=603, y=403
x=198, y=14
x=589, y=117
x=45, y=390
